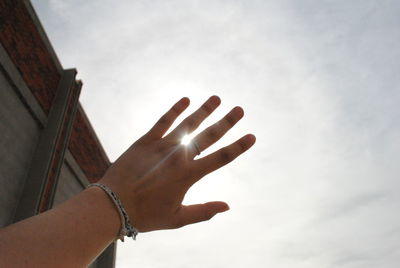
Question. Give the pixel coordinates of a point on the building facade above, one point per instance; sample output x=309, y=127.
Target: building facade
x=49, y=150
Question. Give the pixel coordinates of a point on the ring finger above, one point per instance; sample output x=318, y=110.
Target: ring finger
x=213, y=133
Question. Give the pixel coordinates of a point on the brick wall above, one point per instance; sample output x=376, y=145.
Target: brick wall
x=25, y=46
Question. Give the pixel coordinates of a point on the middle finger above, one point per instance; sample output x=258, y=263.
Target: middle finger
x=194, y=120
x=213, y=133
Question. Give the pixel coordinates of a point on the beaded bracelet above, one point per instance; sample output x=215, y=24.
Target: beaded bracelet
x=126, y=227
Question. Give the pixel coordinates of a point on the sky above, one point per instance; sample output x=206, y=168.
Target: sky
x=319, y=83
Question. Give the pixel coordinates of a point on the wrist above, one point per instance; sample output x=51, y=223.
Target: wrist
x=126, y=228
x=109, y=215
x=124, y=191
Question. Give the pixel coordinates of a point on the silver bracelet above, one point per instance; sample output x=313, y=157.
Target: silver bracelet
x=126, y=227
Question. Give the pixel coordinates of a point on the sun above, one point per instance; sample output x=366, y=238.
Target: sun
x=186, y=139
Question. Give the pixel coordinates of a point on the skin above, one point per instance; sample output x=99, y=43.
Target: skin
x=151, y=178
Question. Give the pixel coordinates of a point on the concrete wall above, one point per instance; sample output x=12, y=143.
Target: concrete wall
x=68, y=185
x=19, y=133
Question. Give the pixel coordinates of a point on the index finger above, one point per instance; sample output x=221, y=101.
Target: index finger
x=165, y=122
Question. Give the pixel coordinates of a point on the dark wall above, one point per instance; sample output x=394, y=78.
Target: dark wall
x=19, y=133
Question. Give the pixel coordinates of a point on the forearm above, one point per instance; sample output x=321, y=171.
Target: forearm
x=70, y=235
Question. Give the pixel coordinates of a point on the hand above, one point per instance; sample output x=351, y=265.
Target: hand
x=153, y=175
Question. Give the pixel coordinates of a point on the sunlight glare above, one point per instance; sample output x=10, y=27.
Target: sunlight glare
x=186, y=139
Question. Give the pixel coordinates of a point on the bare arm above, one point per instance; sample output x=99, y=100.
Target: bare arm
x=70, y=235
x=151, y=178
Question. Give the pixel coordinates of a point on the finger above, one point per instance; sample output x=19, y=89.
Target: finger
x=213, y=133
x=223, y=156
x=194, y=120
x=199, y=212
x=165, y=122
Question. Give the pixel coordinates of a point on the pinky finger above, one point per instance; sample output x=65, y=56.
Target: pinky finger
x=223, y=156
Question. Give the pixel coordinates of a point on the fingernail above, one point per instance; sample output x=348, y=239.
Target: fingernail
x=239, y=111
x=225, y=208
x=215, y=100
x=251, y=139
x=184, y=102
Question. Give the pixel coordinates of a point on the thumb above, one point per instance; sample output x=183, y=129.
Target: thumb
x=199, y=212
